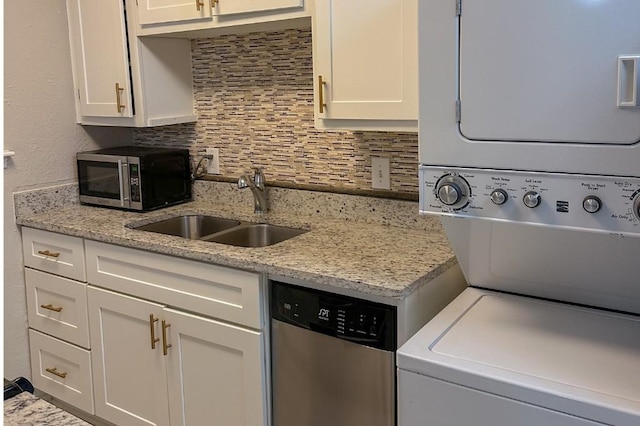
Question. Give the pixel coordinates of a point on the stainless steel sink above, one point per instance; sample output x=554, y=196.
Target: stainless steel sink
x=255, y=235
x=224, y=231
x=192, y=227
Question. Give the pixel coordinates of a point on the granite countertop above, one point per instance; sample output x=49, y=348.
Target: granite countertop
x=25, y=409
x=376, y=259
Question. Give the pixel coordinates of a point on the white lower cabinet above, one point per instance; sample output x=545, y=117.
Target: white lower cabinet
x=154, y=365
x=151, y=339
x=129, y=379
x=215, y=371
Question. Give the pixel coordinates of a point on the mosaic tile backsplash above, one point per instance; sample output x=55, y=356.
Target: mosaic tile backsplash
x=254, y=101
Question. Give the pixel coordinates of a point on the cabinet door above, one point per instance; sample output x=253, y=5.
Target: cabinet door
x=228, y=7
x=366, y=55
x=100, y=58
x=159, y=11
x=130, y=380
x=216, y=372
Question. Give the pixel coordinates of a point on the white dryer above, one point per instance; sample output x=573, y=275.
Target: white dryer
x=530, y=153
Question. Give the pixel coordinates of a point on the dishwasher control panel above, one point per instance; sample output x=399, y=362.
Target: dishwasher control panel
x=359, y=321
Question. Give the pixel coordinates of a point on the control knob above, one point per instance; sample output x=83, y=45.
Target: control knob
x=449, y=193
x=591, y=204
x=452, y=190
x=499, y=196
x=636, y=207
x=531, y=199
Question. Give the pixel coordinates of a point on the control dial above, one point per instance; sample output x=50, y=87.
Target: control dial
x=636, y=207
x=499, y=196
x=531, y=199
x=591, y=204
x=452, y=191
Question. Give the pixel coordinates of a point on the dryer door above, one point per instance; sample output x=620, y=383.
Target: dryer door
x=547, y=70
x=539, y=85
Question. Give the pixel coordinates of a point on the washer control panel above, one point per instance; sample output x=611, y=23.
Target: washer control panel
x=601, y=203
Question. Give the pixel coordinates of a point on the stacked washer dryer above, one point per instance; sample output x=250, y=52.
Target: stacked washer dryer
x=530, y=152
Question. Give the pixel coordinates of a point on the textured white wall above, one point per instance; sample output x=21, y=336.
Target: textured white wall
x=39, y=125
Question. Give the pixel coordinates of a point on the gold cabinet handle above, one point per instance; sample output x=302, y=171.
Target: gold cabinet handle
x=199, y=4
x=119, y=103
x=165, y=345
x=48, y=253
x=51, y=307
x=321, y=86
x=154, y=339
x=213, y=3
x=54, y=371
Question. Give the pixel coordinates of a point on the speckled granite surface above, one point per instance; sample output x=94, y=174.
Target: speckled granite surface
x=26, y=409
x=355, y=243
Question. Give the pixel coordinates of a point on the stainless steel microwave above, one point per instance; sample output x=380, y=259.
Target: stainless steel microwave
x=134, y=177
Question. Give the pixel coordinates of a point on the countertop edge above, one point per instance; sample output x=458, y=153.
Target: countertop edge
x=176, y=246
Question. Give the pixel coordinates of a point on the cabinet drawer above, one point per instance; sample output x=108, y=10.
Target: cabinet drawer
x=62, y=370
x=56, y=253
x=228, y=294
x=57, y=306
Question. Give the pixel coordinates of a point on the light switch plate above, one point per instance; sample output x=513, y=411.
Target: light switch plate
x=380, y=173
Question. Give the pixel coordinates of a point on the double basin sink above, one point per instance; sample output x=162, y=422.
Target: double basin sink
x=224, y=231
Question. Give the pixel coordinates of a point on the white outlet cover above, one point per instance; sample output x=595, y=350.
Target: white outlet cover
x=213, y=163
x=380, y=173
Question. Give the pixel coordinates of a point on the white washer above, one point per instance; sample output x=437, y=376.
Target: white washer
x=493, y=359
x=530, y=153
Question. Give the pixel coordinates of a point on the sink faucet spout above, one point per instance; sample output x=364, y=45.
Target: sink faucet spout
x=258, y=188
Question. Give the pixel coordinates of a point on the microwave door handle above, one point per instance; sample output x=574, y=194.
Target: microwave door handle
x=124, y=189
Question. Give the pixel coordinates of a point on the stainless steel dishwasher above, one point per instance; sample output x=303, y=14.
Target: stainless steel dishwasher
x=333, y=359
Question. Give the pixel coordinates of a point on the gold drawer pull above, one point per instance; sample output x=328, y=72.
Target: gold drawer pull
x=321, y=85
x=165, y=345
x=213, y=3
x=54, y=371
x=48, y=253
x=119, y=103
x=199, y=4
x=154, y=339
x=51, y=307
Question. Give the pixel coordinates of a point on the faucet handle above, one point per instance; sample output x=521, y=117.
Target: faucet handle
x=258, y=176
x=242, y=182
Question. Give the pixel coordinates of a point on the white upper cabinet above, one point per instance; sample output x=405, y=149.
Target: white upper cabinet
x=121, y=79
x=365, y=64
x=206, y=18
x=99, y=51
x=229, y=7
x=159, y=11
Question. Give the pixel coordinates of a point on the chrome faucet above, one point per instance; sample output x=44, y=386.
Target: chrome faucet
x=257, y=185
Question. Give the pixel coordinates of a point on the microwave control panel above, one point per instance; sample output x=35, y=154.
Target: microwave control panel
x=134, y=180
x=599, y=203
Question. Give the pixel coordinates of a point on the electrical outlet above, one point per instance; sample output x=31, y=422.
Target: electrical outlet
x=213, y=163
x=380, y=173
